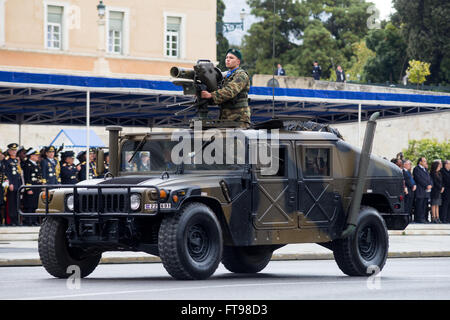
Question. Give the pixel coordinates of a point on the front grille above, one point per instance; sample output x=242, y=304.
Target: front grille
x=109, y=203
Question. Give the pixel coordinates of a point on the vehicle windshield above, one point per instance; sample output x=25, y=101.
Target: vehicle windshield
x=156, y=156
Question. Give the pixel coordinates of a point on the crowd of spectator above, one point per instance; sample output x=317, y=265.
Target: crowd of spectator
x=427, y=190
x=29, y=167
x=316, y=72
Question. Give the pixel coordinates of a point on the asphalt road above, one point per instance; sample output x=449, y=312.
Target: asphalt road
x=419, y=278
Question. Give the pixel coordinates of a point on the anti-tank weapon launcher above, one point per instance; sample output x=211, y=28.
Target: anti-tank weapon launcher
x=204, y=76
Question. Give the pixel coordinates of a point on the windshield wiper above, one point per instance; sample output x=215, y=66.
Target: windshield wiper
x=140, y=145
x=180, y=167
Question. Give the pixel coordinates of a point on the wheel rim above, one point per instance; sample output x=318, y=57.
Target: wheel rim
x=198, y=243
x=368, y=243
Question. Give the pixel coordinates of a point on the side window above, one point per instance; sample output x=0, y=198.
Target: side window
x=275, y=164
x=317, y=162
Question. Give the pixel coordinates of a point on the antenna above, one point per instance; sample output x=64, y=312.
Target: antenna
x=273, y=62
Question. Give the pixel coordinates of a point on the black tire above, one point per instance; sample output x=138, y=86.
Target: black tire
x=366, y=250
x=190, y=242
x=246, y=259
x=56, y=256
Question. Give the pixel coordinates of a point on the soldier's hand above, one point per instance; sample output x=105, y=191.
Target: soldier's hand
x=414, y=188
x=30, y=191
x=206, y=95
x=11, y=187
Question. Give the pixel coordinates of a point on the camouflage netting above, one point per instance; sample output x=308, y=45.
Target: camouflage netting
x=310, y=126
x=297, y=125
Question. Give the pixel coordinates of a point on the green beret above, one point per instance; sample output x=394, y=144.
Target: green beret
x=236, y=53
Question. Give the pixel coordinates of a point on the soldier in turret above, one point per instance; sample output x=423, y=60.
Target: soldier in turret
x=232, y=98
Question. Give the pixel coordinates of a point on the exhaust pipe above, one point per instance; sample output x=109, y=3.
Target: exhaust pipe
x=364, y=160
x=114, y=149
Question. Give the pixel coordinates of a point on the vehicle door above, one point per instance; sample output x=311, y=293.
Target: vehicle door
x=274, y=196
x=318, y=195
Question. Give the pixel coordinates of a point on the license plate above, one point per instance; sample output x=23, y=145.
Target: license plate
x=154, y=206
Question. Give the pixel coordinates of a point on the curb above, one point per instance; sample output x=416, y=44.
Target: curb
x=276, y=257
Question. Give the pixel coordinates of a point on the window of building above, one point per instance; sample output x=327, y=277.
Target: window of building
x=54, y=27
x=115, y=32
x=172, y=40
x=317, y=162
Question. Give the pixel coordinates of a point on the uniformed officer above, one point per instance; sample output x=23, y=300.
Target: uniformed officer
x=69, y=171
x=106, y=163
x=32, y=173
x=50, y=167
x=145, y=161
x=130, y=166
x=316, y=71
x=13, y=172
x=3, y=187
x=92, y=167
x=233, y=96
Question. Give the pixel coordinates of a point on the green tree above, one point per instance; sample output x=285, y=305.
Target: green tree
x=362, y=54
x=418, y=71
x=390, y=60
x=426, y=29
x=222, y=42
x=428, y=148
x=304, y=31
x=346, y=20
x=288, y=23
x=318, y=44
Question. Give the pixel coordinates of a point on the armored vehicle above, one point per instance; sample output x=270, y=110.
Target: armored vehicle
x=196, y=213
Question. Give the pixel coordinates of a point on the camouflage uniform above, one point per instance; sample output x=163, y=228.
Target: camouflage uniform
x=233, y=98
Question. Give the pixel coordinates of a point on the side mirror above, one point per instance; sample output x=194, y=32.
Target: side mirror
x=100, y=161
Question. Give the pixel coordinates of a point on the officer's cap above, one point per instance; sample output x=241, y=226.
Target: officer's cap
x=67, y=154
x=13, y=146
x=235, y=52
x=92, y=150
x=21, y=148
x=32, y=151
x=106, y=154
x=50, y=149
x=80, y=155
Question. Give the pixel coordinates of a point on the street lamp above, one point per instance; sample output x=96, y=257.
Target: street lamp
x=223, y=27
x=101, y=65
x=101, y=9
x=243, y=14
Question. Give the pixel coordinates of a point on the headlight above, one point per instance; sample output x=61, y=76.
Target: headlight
x=69, y=202
x=135, y=201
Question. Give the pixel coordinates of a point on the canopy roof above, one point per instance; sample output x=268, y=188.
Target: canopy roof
x=76, y=138
x=38, y=98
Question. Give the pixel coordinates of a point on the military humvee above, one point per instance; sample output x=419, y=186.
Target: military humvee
x=194, y=215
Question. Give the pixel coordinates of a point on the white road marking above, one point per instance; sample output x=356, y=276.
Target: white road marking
x=243, y=285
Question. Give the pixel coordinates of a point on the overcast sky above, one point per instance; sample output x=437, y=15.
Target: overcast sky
x=234, y=7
